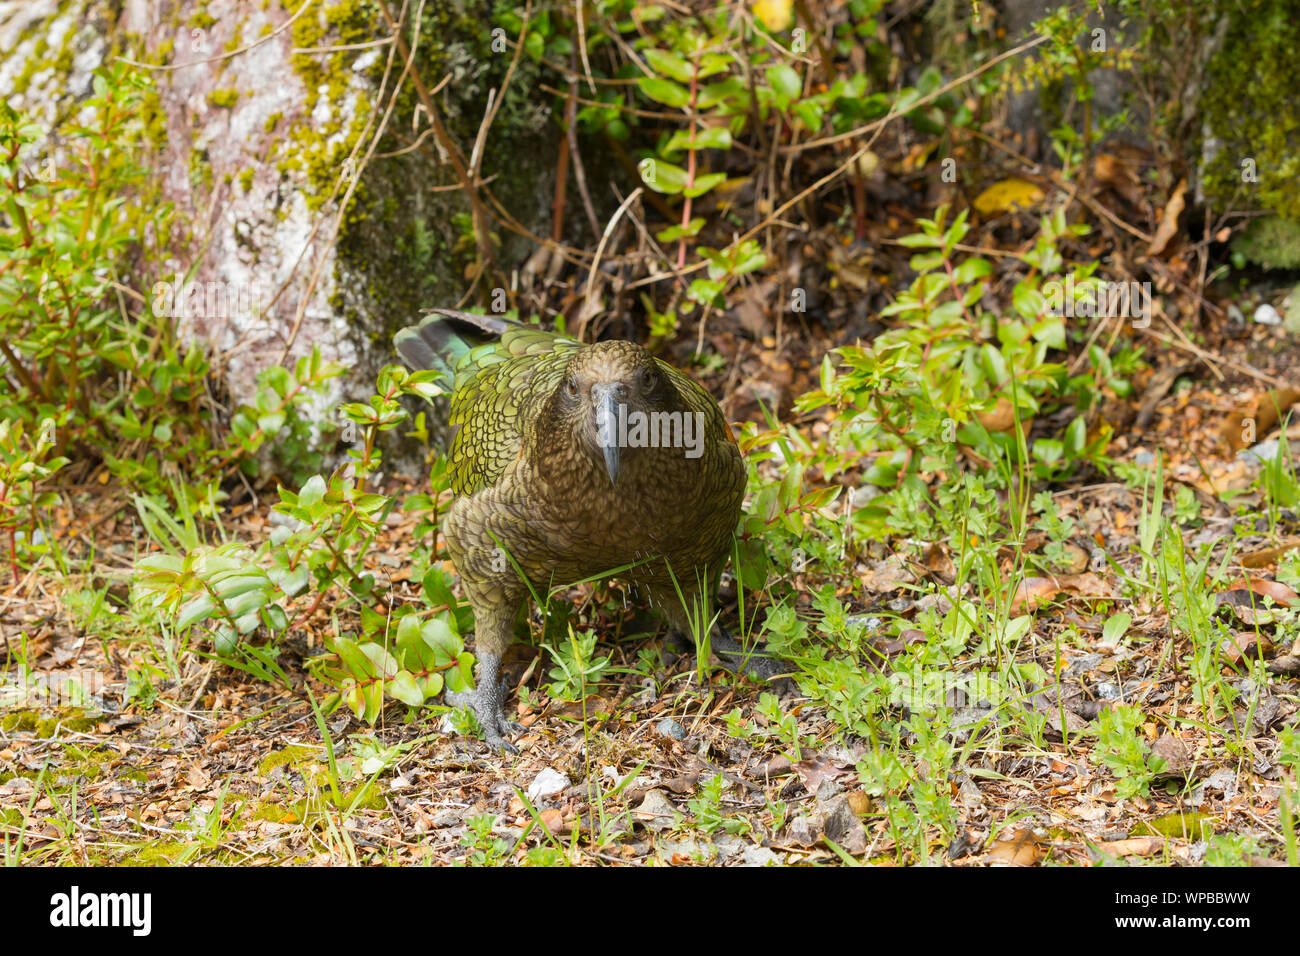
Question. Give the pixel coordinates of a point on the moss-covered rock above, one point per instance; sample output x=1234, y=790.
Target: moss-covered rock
x=1250, y=111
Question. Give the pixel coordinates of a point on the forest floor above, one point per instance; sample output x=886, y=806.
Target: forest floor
x=188, y=760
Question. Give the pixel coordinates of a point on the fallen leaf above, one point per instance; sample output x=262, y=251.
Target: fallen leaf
x=1017, y=848
x=1007, y=195
x=1168, y=227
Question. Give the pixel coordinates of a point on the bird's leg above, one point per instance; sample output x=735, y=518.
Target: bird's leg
x=485, y=700
x=759, y=664
x=495, y=602
x=756, y=663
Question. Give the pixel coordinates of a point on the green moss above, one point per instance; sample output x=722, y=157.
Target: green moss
x=293, y=754
x=46, y=725
x=201, y=20
x=246, y=179
x=154, y=853
x=23, y=720
x=223, y=99
x=271, y=122
x=274, y=813
x=1271, y=242
x=42, y=57
x=1182, y=826
x=1251, y=109
x=200, y=170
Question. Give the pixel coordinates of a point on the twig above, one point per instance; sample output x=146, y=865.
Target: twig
x=1208, y=359
x=913, y=106
x=222, y=56
x=600, y=249
x=579, y=173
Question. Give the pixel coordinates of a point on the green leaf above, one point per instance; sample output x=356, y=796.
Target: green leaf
x=312, y=492
x=402, y=687
x=197, y=610
x=810, y=114
x=1116, y=626
x=663, y=91
x=355, y=661
x=662, y=176
x=785, y=84
x=673, y=67
x=408, y=629
x=703, y=184
x=673, y=233
x=439, y=636
x=714, y=93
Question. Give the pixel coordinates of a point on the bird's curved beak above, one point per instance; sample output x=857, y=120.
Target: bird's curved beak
x=602, y=396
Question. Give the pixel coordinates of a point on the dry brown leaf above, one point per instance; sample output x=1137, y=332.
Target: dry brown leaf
x=1168, y=227
x=1017, y=848
x=1134, y=846
x=1266, y=556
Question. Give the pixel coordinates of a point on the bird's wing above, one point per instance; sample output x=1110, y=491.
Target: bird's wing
x=500, y=388
x=698, y=399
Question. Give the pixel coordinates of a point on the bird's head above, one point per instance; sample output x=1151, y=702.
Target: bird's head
x=605, y=386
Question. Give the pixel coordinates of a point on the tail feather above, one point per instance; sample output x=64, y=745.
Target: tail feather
x=443, y=338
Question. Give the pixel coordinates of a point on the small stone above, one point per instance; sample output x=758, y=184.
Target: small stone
x=656, y=811
x=805, y=830
x=845, y=829
x=828, y=790
x=1267, y=315
x=859, y=802
x=686, y=850
x=759, y=856
x=728, y=845
x=1291, y=309
x=547, y=784
x=1174, y=751
x=671, y=728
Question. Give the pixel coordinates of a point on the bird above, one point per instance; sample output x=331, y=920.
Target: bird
x=569, y=460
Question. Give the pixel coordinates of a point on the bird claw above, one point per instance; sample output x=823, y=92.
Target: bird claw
x=487, y=708
x=770, y=670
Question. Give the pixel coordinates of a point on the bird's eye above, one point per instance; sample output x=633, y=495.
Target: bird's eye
x=571, y=385
x=648, y=378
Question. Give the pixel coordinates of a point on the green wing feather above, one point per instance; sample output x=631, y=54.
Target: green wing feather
x=502, y=373
x=500, y=389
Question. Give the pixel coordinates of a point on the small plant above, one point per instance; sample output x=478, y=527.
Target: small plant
x=1125, y=753
x=485, y=849
x=236, y=591
x=23, y=465
x=576, y=666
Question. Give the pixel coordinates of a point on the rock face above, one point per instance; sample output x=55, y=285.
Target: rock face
x=252, y=143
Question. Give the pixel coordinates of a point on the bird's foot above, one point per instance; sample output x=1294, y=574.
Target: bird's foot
x=758, y=664
x=485, y=702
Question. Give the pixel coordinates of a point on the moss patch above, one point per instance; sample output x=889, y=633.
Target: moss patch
x=293, y=755
x=1252, y=111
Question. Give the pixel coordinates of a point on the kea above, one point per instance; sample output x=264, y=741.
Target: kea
x=569, y=461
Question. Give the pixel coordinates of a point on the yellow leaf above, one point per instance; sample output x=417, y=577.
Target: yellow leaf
x=776, y=15
x=1006, y=195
